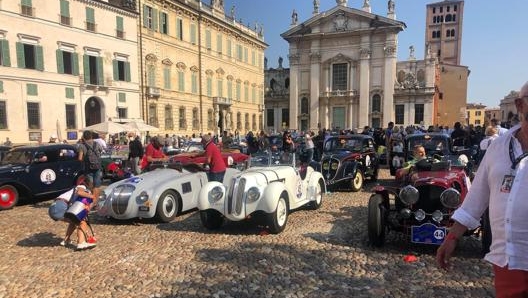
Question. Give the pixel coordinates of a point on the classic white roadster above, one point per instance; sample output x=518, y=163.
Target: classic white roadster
x=162, y=193
x=268, y=190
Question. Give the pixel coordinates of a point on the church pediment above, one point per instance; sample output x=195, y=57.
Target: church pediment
x=341, y=19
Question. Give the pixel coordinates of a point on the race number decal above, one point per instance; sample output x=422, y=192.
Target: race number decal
x=439, y=234
x=299, y=189
x=48, y=176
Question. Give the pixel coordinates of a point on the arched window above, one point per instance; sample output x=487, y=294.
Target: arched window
x=452, y=32
x=304, y=106
x=448, y=33
x=239, y=121
x=434, y=34
x=376, y=103
x=454, y=18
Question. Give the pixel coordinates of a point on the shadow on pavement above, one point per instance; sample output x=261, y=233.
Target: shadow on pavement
x=44, y=239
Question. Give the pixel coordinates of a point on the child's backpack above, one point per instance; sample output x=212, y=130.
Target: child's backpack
x=93, y=157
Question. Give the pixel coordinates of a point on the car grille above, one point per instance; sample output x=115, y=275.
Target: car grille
x=329, y=167
x=429, y=198
x=120, y=196
x=236, y=196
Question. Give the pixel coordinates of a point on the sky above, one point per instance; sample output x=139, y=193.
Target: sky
x=494, y=46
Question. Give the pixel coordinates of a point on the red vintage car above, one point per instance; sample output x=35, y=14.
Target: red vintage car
x=422, y=205
x=232, y=158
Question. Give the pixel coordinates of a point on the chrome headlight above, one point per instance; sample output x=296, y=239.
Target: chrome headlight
x=437, y=215
x=419, y=215
x=409, y=195
x=102, y=197
x=143, y=197
x=253, y=194
x=450, y=198
x=216, y=194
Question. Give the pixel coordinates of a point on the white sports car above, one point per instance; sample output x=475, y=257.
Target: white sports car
x=162, y=193
x=269, y=189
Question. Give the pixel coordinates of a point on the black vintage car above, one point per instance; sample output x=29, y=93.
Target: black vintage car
x=348, y=160
x=37, y=171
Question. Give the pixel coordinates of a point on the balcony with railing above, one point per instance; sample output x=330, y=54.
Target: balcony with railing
x=222, y=101
x=338, y=93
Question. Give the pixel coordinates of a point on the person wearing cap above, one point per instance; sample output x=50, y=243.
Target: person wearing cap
x=500, y=185
x=217, y=166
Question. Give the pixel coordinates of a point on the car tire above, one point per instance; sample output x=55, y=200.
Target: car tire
x=314, y=205
x=211, y=219
x=485, y=231
x=376, y=220
x=168, y=206
x=8, y=197
x=357, y=181
x=276, y=221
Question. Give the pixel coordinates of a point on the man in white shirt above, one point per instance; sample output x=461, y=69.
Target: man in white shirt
x=501, y=184
x=501, y=130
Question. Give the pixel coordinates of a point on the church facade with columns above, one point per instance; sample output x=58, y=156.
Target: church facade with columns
x=343, y=70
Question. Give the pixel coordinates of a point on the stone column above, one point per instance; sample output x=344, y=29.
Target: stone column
x=364, y=87
x=294, y=90
x=350, y=114
x=326, y=116
x=428, y=113
x=215, y=117
x=389, y=77
x=315, y=81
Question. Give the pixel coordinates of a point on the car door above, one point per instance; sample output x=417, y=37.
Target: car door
x=369, y=154
x=41, y=173
x=68, y=166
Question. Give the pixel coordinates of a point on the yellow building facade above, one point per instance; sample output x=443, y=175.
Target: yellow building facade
x=476, y=114
x=202, y=70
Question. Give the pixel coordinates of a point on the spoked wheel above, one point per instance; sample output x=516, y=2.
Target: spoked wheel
x=277, y=220
x=357, y=181
x=376, y=220
x=8, y=197
x=167, y=207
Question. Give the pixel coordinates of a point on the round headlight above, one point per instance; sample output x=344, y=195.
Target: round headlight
x=253, y=194
x=419, y=215
x=409, y=195
x=405, y=213
x=450, y=198
x=143, y=197
x=437, y=215
x=216, y=194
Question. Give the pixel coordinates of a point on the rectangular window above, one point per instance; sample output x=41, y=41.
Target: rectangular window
x=70, y=117
x=229, y=53
x=120, y=28
x=418, y=113
x=179, y=29
x=220, y=87
x=192, y=32
x=151, y=76
x=26, y=8
x=3, y=115
x=219, y=43
x=167, y=78
x=5, y=59
x=30, y=56
x=400, y=114
x=33, y=112
x=153, y=114
x=148, y=17
x=181, y=81
x=259, y=60
x=169, y=123
x=194, y=83
x=208, y=39
x=121, y=70
x=90, y=19
x=93, y=70
x=270, y=117
x=339, y=76
x=164, y=23
x=181, y=120
x=285, y=118
x=121, y=97
x=195, y=119
x=65, y=12
x=122, y=113
x=32, y=89
x=67, y=62
x=209, y=86
x=70, y=93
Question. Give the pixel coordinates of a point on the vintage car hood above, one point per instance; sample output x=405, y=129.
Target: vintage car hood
x=341, y=155
x=152, y=177
x=438, y=177
x=268, y=173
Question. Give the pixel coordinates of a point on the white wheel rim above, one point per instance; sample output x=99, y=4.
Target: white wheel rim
x=358, y=180
x=318, y=194
x=169, y=206
x=282, y=212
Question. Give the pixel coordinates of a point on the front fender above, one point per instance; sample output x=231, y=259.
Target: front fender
x=349, y=168
x=314, y=178
x=205, y=203
x=270, y=197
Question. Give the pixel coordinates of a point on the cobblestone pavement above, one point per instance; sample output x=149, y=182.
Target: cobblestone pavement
x=323, y=253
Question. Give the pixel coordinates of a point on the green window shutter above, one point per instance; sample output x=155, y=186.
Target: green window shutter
x=115, y=70
x=75, y=64
x=166, y=78
x=151, y=76
x=60, y=62
x=65, y=8
x=219, y=43
x=209, y=87
x=208, y=39
x=194, y=83
x=21, y=61
x=154, y=19
x=193, y=33
x=100, y=78
x=39, y=58
x=1, y=86
x=90, y=15
x=27, y=2
x=121, y=97
x=4, y=44
x=119, y=23
x=220, y=87
x=181, y=81
x=32, y=89
x=127, y=72
x=86, y=69
x=145, y=16
x=69, y=93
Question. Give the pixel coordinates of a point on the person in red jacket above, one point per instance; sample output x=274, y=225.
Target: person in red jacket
x=217, y=166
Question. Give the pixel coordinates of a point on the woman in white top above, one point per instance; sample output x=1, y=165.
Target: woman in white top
x=491, y=134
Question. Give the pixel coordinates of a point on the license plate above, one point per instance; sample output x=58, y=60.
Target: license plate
x=144, y=208
x=428, y=233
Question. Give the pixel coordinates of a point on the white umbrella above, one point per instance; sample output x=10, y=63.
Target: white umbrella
x=108, y=127
x=141, y=126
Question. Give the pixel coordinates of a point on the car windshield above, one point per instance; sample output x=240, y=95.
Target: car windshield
x=432, y=144
x=194, y=147
x=343, y=144
x=17, y=157
x=266, y=159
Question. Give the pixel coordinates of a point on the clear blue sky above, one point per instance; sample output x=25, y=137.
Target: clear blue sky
x=494, y=47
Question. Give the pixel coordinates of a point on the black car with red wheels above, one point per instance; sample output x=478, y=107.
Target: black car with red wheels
x=37, y=171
